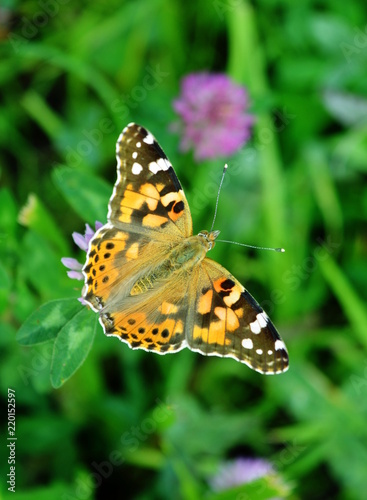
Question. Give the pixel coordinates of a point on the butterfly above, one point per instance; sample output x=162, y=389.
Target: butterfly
x=149, y=278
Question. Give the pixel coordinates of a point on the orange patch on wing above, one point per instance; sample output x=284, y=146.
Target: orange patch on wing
x=132, y=252
x=175, y=216
x=152, y=220
x=200, y=333
x=167, y=308
x=169, y=324
x=135, y=200
x=232, y=321
x=220, y=313
x=179, y=326
x=120, y=241
x=151, y=195
x=136, y=319
x=239, y=312
x=217, y=332
x=218, y=284
x=121, y=235
x=205, y=302
x=103, y=288
x=125, y=215
x=232, y=298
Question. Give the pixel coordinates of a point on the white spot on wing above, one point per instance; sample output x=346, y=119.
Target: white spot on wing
x=255, y=327
x=259, y=351
x=247, y=343
x=279, y=344
x=160, y=164
x=149, y=139
x=270, y=352
x=262, y=319
x=167, y=198
x=135, y=155
x=138, y=144
x=137, y=168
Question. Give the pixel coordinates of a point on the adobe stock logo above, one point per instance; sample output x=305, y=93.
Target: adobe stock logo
x=152, y=78
x=121, y=107
x=358, y=45
x=223, y=6
x=358, y=382
x=30, y=27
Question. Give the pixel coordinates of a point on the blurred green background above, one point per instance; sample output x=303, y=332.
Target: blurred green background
x=131, y=424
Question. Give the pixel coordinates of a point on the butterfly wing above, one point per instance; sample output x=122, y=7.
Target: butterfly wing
x=126, y=281
x=227, y=321
x=148, y=213
x=147, y=195
x=153, y=321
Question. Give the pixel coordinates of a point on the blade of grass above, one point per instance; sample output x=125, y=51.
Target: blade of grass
x=352, y=305
x=325, y=192
x=42, y=114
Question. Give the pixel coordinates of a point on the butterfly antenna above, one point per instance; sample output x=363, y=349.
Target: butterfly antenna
x=252, y=246
x=220, y=187
x=236, y=242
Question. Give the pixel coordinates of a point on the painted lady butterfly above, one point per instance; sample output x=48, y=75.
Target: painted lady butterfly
x=149, y=278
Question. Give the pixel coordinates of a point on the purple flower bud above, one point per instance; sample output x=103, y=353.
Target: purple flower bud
x=240, y=471
x=80, y=240
x=72, y=264
x=75, y=275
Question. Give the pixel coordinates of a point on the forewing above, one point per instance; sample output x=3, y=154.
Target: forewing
x=148, y=212
x=147, y=194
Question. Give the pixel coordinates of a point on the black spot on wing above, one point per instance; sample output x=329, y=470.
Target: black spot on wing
x=228, y=284
x=178, y=207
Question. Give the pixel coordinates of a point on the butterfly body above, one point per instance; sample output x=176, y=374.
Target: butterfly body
x=180, y=261
x=148, y=276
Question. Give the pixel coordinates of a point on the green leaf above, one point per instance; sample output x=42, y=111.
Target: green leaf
x=45, y=323
x=88, y=195
x=72, y=346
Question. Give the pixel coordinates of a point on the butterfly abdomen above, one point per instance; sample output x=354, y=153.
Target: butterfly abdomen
x=181, y=259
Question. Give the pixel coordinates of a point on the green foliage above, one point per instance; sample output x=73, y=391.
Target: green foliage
x=72, y=328
x=159, y=427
